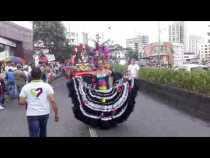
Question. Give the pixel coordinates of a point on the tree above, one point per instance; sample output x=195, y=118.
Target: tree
x=64, y=53
x=51, y=33
x=131, y=54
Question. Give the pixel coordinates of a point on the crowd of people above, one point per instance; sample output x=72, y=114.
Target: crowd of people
x=14, y=76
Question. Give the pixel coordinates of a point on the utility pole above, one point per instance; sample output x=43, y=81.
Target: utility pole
x=69, y=35
x=159, y=47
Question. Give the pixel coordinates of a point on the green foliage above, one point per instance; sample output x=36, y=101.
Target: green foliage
x=64, y=53
x=196, y=81
x=119, y=68
x=131, y=54
x=52, y=33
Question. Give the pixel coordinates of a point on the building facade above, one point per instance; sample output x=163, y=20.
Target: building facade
x=190, y=57
x=176, y=32
x=15, y=40
x=159, y=54
x=204, y=52
x=137, y=43
x=75, y=38
x=208, y=35
x=178, y=52
x=194, y=43
x=85, y=38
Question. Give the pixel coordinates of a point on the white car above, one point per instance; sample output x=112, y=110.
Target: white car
x=192, y=67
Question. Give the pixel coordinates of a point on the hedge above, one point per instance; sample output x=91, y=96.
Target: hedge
x=119, y=68
x=195, y=81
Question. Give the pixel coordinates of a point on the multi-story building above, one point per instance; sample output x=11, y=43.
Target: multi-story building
x=176, y=32
x=138, y=43
x=194, y=43
x=208, y=35
x=118, y=53
x=159, y=53
x=72, y=38
x=190, y=57
x=205, y=52
x=165, y=54
x=15, y=40
x=178, y=52
x=84, y=38
x=75, y=38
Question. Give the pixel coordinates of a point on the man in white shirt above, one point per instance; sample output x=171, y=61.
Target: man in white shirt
x=133, y=69
x=37, y=96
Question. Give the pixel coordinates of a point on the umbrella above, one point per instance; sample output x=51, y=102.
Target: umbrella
x=17, y=60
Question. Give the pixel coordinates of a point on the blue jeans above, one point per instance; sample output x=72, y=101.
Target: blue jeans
x=2, y=99
x=12, y=89
x=37, y=125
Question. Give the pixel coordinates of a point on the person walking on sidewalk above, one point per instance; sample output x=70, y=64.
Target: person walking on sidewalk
x=11, y=83
x=2, y=93
x=20, y=78
x=37, y=96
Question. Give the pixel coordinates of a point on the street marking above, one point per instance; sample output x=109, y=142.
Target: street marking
x=92, y=132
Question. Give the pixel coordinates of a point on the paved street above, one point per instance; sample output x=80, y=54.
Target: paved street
x=150, y=118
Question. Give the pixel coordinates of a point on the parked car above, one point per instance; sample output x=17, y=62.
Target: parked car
x=192, y=67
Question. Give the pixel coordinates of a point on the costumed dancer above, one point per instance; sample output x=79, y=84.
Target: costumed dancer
x=102, y=105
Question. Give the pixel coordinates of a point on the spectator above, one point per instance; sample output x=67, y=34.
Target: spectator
x=44, y=76
x=2, y=93
x=27, y=74
x=133, y=69
x=11, y=84
x=37, y=97
x=1, y=67
x=20, y=78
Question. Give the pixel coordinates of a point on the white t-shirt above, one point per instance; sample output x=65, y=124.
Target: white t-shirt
x=133, y=70
x=36, y=93
x=29, y=69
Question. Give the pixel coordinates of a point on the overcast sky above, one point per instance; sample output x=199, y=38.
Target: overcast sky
x=121, y=30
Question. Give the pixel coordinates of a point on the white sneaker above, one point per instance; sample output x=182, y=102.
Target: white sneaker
x=1, y=107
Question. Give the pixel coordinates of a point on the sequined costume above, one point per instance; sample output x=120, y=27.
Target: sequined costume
x=98, y=104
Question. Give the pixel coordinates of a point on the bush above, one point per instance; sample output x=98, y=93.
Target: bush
x=119, y=68
x=196, y=81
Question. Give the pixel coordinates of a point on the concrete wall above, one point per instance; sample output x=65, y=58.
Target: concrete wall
x=19, y=34
x=189, y=102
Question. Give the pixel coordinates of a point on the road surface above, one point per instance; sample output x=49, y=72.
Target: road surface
x=151, y=118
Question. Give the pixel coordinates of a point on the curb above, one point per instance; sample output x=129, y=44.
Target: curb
x=192, y=103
